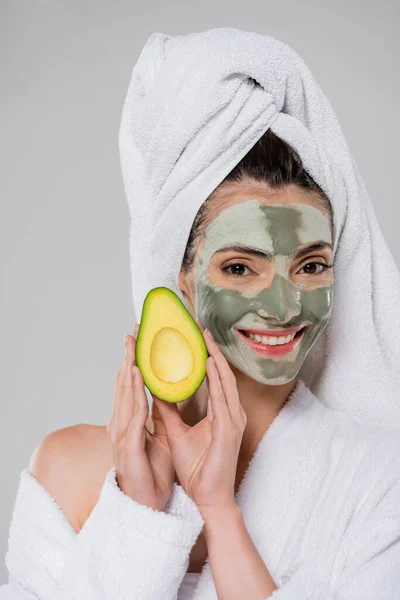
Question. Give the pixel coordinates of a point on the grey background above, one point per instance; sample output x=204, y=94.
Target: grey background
x=66, y=65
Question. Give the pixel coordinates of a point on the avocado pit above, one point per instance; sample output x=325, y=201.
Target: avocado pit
x=171, y=357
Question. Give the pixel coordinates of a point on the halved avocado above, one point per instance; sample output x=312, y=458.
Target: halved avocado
x=170, y=350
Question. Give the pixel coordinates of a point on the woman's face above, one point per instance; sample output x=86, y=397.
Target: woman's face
x=256, y=269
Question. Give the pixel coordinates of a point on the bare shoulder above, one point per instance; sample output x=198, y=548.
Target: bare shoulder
x=72, y=463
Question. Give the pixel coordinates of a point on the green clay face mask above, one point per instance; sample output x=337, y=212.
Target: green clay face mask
x=279, y=296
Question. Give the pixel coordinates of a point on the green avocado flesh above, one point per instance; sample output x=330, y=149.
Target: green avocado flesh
x=170, y=350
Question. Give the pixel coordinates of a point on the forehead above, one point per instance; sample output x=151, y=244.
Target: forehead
x=277, y=227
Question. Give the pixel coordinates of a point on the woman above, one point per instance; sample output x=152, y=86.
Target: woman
x=254, y=488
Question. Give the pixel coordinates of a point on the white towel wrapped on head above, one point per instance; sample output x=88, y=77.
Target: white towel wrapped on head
x=196, y=105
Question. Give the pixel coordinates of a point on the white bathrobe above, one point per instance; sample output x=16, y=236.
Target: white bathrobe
x=320, y=500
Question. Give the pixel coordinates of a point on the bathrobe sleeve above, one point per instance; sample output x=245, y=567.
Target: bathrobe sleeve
x=125, y=550
x=13, y=590
x=371, y=569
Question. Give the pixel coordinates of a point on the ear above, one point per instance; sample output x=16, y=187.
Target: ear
x=183, y=284
x=185, y=288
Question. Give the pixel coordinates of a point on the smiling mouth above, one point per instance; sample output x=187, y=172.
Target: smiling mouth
x=272, y=345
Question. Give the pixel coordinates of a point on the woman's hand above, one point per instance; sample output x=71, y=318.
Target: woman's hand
x=143, y=462
x=205, y=456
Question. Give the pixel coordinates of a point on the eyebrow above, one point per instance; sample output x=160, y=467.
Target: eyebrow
x=319, y=245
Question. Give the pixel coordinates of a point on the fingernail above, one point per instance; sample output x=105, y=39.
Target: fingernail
x=126, y=340
x=208, y=332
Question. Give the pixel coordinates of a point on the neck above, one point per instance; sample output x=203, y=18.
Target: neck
x=260, y=402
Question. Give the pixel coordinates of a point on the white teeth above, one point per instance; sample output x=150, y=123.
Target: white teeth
x=270, y=340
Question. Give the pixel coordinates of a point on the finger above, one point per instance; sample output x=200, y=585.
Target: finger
x=130, y=359
x=117, y=384
x=200, y=326
x=115, y=400
x=140, y=410
x=130, y=393
x=126, y=380
x=218, y=402
x=227, y=379
x=210, y=413
x=173, y=423
x=120, y=377
x=158, y=423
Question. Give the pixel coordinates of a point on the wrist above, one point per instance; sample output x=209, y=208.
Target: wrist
x=220, y=517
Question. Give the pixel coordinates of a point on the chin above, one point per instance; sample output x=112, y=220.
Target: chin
x=282, y=379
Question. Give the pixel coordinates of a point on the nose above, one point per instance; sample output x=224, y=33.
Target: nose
x=280, y=301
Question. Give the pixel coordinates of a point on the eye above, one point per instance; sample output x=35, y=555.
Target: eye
x=225, y=269
x=322, y=270
x=323, y=267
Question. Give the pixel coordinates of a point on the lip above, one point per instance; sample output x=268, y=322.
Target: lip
x=272, y=332
x=278, y=349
